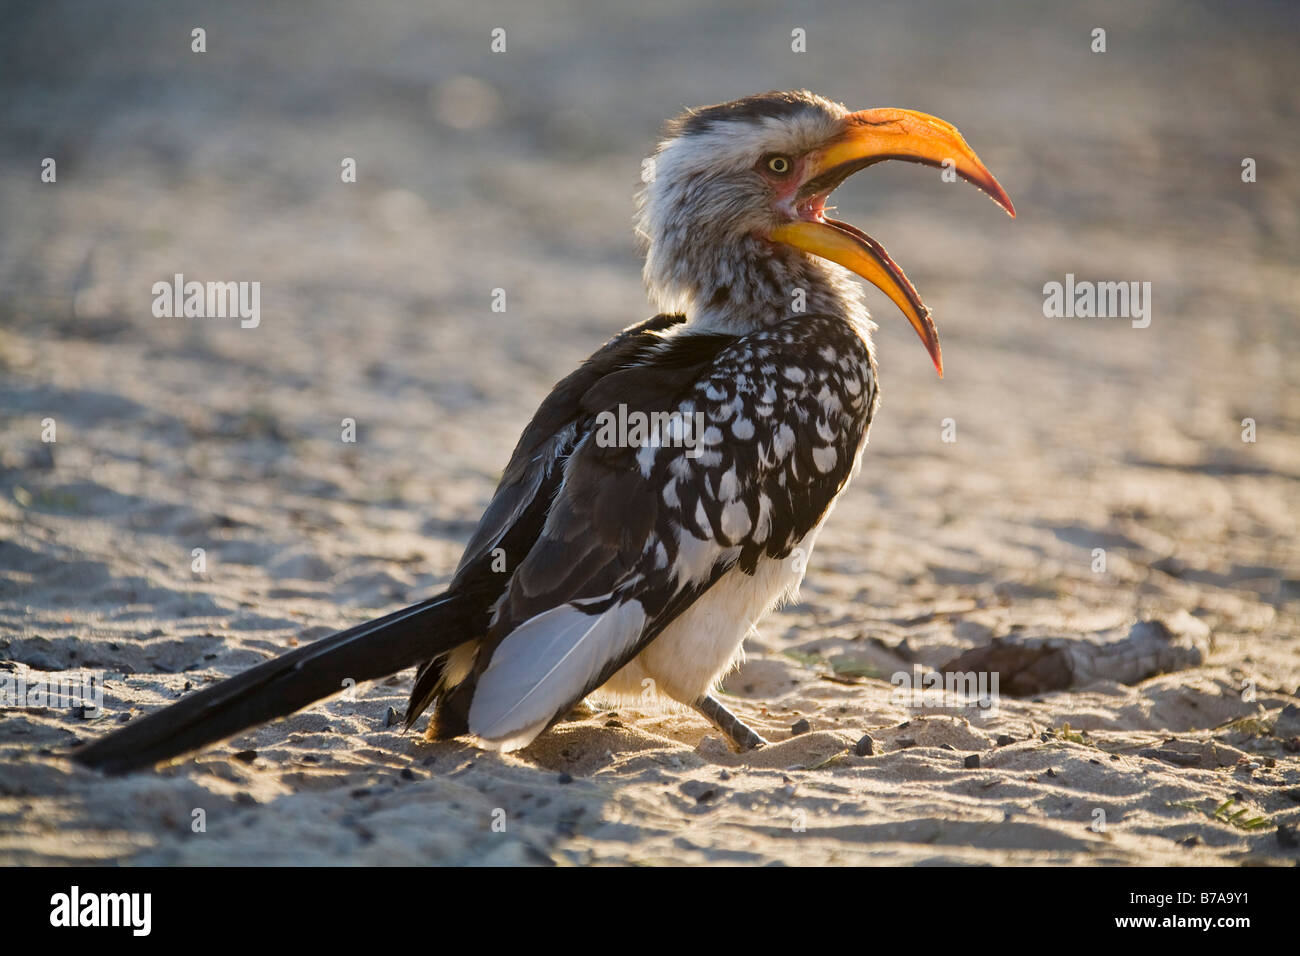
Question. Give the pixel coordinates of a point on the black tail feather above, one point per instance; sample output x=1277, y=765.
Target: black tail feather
x=290, y=682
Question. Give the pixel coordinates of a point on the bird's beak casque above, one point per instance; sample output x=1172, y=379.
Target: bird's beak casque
x=871, y=136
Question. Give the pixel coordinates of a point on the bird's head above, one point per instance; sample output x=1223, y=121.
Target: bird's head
x=733, y=209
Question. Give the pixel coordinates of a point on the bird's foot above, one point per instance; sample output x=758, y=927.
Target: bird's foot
x=738, y=734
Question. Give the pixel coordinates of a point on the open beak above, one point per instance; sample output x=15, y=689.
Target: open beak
x=872, y=136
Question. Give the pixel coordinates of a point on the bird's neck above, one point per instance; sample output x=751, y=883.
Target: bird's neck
x=751, y=284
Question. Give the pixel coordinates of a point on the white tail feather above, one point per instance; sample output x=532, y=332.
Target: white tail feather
x=543, y=665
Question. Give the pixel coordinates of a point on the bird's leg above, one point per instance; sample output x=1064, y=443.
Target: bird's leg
x=733, y=728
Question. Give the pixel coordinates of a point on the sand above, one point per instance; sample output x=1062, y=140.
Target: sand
x=1072, y=435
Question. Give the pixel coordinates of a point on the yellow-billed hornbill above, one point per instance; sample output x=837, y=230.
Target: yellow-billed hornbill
x=644, y=562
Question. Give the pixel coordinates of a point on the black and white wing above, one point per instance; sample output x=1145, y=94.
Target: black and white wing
x=637, y=532
x=514, y=517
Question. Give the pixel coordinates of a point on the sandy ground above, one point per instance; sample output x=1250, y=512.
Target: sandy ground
x=480, y=171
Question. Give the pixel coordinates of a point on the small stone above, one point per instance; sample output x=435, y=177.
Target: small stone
x=613, y=723
x=1288, y=722
x=1051, y=772
x=390, y=718
x=906, y=742
x=800, y=726
x=360, y=792
x=702, y=792
x=866, y=747
x=565, y=777
x=1005, y=739
x=408, y=773
x=1286, y=836
x=972, y=762
x=248, y=756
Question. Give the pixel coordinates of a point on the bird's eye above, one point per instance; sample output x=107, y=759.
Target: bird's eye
x=778, y=164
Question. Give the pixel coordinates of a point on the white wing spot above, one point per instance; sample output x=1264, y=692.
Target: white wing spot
x=824, y=457
x=735, y=520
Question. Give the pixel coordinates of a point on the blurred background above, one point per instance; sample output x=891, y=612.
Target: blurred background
x=481, y=170
x=515, y=170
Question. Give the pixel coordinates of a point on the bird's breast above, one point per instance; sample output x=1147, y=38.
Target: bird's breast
x=705, y=642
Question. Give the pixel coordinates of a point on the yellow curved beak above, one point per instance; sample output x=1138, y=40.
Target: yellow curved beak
x=869, y=137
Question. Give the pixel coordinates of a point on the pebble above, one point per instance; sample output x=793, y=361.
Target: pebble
x=972, y=762
x=866, y=747
x=702, y=792
x=248, y=756
x=800, y=726
x=1288, y=722
x=566, y=777
x=1005, y=739
x=390, y=718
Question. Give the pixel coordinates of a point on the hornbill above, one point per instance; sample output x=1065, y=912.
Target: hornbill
x=616, y=560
